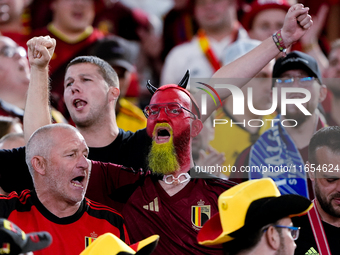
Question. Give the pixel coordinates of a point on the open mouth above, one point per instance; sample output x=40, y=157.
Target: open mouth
x=78, y=181
x=336, y=200
x=79, y=104
x=162, y=135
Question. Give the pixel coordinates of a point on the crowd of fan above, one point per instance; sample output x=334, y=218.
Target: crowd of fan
x=59, y=57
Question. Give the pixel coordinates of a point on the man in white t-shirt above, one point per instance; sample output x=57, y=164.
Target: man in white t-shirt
x=219, y=27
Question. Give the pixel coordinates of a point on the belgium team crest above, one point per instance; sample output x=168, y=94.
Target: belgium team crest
x=89, y=240
x=200, y=214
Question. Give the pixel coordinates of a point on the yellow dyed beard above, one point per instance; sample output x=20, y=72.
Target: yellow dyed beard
x=162, y=157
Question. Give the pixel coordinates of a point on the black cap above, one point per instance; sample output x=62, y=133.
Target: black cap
x=297, y=60
x=268, y=210
x=261, y=204
x=116, y=51
x=14, y=241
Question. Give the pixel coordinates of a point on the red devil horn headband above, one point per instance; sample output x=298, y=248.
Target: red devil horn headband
x=181, y=86
x=183, y=83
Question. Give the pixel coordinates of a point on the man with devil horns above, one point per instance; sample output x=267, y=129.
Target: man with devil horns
x=156, y=199
x=169, y=202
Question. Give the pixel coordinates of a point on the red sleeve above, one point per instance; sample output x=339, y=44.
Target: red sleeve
x=112, y=184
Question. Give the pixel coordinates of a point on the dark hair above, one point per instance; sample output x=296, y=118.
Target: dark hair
x=105, y=69
x=327, y=136
x=248, y=241
x=242, y=244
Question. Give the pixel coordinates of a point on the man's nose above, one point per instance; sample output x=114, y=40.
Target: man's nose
x=162, y=114
x=83, y=162
x=296, y=82
x=75, y=87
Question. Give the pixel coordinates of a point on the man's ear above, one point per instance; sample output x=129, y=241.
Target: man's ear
x=113, y=93
x=310, y=174
x=273, y=238
x=323, y=93
x=39, y=164
x=196, y=127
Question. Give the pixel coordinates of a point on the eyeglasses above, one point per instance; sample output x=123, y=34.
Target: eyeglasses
x=10, y=51
x=294, y=231
x=151, y=111
x=301, y=81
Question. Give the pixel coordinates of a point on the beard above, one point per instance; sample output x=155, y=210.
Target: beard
x=297, y=115
x=325, y=204
x=282, y=249
x=167, y=158
x=96, y=115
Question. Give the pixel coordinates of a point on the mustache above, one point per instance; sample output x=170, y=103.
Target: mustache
x=335, y=196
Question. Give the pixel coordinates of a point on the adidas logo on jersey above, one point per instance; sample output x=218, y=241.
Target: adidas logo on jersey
x=152, y=206
x=311, y=251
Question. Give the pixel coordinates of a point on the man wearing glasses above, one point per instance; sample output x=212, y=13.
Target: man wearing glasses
x=14, y=78
x=281, y=152
x=255, y=219
x=170, y=201
x=320, y=231
x=173, y=204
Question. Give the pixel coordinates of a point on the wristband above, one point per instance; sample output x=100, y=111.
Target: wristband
x=278, y=40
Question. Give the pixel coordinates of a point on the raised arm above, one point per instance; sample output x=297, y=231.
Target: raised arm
x=297, y=22
x=37, y=112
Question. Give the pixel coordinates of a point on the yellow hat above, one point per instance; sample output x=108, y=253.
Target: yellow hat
x=109, y=244
x=249, y=206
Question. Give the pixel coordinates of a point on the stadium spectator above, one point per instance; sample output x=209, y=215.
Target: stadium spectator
x=71, y=26
x=285, y=145
x=218, y=27
x=14, y=78
x=118, y=52
x=14, y=20
x=332, y=75
x=177, y=181
x=320, y=229
x=231, y=138
x=179, y=25
x=260, y=224
x=264, y=17
x=57, y=160
x=203, y=154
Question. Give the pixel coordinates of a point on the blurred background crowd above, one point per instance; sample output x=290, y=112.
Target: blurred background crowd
x=156, y=40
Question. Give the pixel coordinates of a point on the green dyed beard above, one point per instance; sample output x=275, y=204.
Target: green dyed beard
x=162, y=158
